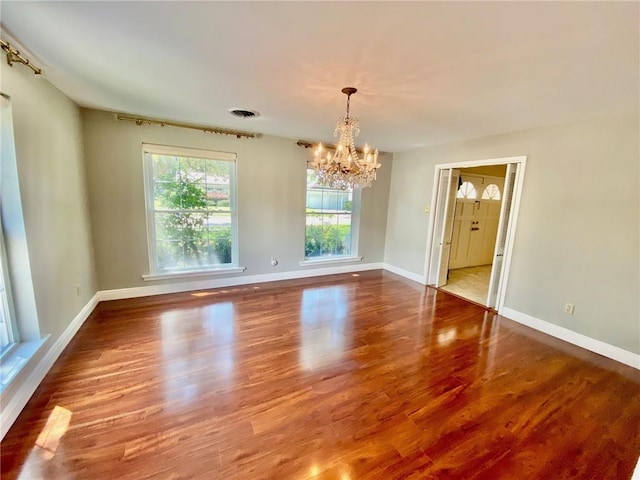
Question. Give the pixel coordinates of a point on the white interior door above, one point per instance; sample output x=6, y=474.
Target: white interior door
x=501, y=239
x=443, y=226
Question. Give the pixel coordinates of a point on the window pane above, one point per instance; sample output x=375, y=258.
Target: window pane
x=165, y=174
x=192, y=211
x=330, y=201
x=219, y=244
x=491, y=192
x=4, y=321
x=344, y=232
x=331, y=242
x=194, y=168
x=165, y=168
x=313, y=236
x=185, y=235
x=329, y=220
x=167, y=226
x=218, y=196
x=169, y=255
x=6, y=329
x=467, y=190
x=328, y=236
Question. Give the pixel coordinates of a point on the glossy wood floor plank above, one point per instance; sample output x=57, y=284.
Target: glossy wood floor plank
x=365, y=376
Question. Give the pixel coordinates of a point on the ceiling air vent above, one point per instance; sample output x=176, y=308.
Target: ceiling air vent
x=239, y=112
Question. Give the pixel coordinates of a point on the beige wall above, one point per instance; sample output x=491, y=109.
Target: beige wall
x=50, y=167
x=577, y=234
x=271, y=198
x=49, y=149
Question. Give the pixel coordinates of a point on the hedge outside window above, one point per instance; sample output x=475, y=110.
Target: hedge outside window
x=332, y=220
x=191, y=214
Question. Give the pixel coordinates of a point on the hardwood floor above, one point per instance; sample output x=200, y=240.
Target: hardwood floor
x=363, y=376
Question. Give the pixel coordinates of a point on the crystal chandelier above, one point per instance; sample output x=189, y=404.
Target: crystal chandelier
x=344, y=168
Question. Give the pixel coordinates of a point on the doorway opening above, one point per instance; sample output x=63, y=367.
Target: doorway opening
x=473, y=219
x=475, y=228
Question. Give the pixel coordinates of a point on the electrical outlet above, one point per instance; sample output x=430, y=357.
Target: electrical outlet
x=274, y=261
x=569, y=308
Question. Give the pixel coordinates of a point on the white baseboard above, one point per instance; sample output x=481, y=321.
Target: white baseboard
x=610, y=351
x=405, y=273
x=19, y=399
x=232, y=281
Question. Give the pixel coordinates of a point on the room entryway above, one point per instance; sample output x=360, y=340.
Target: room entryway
x=472, y=228
x=475, y=227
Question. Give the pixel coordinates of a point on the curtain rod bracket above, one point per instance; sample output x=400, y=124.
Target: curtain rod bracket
x=14, y=56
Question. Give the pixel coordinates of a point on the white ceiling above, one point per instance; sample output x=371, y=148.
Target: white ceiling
x=427, y=72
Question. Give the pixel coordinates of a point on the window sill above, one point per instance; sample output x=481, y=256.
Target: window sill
x=16, y=359
x=192, y=273
x=329, y=261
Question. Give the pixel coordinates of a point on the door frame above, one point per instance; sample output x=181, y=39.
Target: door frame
x=521, y=160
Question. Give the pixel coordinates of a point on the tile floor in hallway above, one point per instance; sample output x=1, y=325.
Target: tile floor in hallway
x=471, y=283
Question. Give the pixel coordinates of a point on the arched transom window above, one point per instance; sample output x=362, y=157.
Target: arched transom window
x=491, y=192
x=467, y=190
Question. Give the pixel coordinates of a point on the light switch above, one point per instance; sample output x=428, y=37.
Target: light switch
x=427, y=209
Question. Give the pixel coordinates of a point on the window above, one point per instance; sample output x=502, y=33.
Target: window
x=332, y=220
x=491, y=192
x=20, y=338
x=191, y=209
x=7, y=336
x=467, y=190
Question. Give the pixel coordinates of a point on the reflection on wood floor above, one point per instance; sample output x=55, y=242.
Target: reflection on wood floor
x=470, y=282
x=354, y=376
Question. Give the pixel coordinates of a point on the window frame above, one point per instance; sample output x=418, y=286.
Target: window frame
x=356, y=207
x=156, y=273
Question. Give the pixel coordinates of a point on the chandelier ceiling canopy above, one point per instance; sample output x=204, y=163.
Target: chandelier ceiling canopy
x=344, y=168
